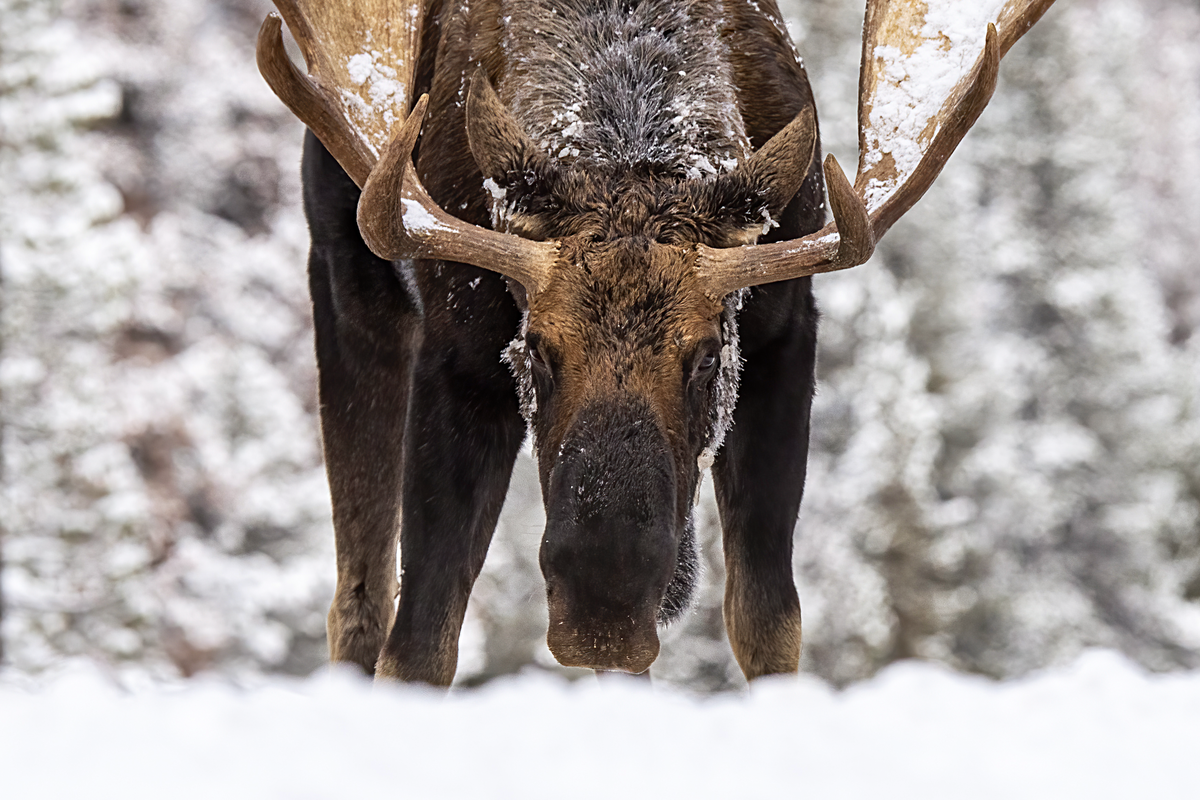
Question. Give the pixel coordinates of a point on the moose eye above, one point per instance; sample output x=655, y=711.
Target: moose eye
x=535, y=355
x=705, y=366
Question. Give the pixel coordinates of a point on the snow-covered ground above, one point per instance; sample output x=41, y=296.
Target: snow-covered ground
x=1101, y=728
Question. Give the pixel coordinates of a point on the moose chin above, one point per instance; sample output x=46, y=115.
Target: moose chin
x=596, y=220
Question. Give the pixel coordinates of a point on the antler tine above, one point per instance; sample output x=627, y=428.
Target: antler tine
x=846, y=242
x=398, y=219
x=301, y=30
x=308, y=103
x=1016, y=19
x=889, y=182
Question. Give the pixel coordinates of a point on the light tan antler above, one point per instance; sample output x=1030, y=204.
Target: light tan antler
x=361, y=57
x=928, y=70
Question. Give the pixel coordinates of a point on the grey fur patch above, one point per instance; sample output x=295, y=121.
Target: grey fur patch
x=623, y=83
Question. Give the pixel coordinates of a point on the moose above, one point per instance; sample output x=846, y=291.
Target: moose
x=596, y=220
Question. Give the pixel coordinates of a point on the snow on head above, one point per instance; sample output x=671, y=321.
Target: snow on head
x=913, y=87
x=658, y=91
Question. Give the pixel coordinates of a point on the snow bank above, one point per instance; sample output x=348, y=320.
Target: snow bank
x=1099, y=729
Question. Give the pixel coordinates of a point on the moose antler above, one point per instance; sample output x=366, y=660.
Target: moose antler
x=409, y=224
x=929, y=68
x=907, y=130
x=361, y=57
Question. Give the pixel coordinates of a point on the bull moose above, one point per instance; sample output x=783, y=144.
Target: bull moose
x=607, y=236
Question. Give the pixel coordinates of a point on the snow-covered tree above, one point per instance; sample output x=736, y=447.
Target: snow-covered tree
x=1007, y=439
x=164, y=505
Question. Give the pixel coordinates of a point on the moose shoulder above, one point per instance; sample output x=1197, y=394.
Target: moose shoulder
x=602, y=180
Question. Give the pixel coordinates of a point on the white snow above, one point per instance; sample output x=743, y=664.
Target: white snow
x=912, y=88
x=1101, y=728
x=418, y=220
x=768, y=221
x=501, y=211
x=728, y=379
x=494, y=189
x=381, y=94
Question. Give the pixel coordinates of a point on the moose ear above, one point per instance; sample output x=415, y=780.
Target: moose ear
x=503, y=151
x=768, y=181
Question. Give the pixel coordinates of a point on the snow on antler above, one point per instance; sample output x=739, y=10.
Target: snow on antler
x=928, y=70
x=924, y=81
x=361, y=56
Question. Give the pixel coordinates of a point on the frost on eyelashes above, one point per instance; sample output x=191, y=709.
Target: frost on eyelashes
x=912, y=89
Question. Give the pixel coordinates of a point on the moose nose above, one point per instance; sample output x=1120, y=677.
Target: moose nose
x=611, y=542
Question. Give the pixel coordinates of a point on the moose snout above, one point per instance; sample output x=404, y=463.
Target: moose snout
x=611, y=540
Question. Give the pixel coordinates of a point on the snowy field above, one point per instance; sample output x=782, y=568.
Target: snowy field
x=1101, y=728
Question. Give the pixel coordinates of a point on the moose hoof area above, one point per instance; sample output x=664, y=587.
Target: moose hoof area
x=631, y=649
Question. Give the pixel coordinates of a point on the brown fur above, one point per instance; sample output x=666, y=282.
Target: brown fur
x=765, y=638
x=594, y=301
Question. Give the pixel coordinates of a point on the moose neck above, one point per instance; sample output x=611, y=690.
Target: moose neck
x=624, y=84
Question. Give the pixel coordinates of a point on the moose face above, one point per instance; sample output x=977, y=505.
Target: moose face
x=628, y=371
x=623, y=348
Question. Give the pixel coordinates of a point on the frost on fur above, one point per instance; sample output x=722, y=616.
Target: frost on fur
x=667, y=77
x=728, y=380
x=516, y=356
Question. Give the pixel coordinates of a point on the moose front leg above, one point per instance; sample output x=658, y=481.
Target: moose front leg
x=464, y=432
x=759, y=478
x=367, y=325
x=362, y=455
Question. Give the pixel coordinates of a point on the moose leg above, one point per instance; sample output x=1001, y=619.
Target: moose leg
x=367, y=325
x=759, y=479
x=464, y=432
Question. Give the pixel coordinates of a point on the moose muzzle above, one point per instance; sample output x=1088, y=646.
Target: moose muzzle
x=611, y=539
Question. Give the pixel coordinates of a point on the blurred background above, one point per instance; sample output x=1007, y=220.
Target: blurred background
x=1005, y=465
